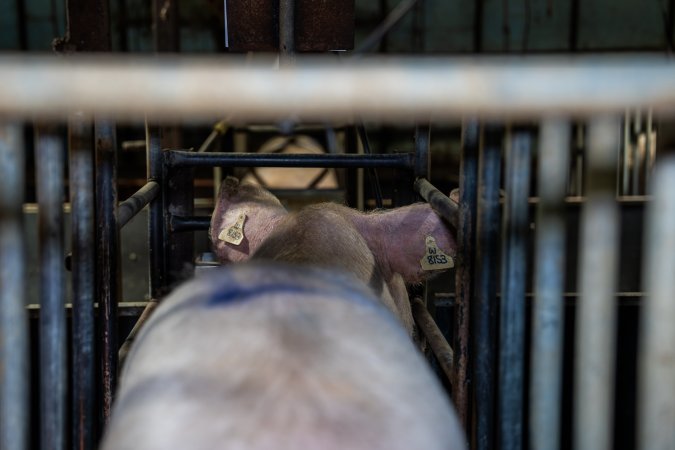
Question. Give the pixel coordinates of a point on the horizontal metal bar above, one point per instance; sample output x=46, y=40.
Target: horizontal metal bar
x=439, y=345
x=189, y=223
x=438, y=201
x=125, y=309
x=387, y=89
x=134, y=204
x=180, y=158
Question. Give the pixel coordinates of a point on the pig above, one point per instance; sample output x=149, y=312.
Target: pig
x=384, y=249
x=269, y=355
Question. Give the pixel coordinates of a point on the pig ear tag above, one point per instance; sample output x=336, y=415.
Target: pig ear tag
x=434, y=258
x=234, y=234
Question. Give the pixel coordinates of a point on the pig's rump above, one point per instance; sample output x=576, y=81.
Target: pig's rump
x=262, y=356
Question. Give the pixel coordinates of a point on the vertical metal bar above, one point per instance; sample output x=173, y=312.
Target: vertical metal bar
x=108, y=275
x=626, y=153
x=422, y=152
x=50, y=171
x=656, y=370
x=165, y=26
x=468, y=182
x=637, y=129
x=485, y=313
x=650, y=149
x=83, y=237
x=14, y=349
x=286, y=30
x=155, y=172
x=515, y=228
x=548, y=318
x=596, y=310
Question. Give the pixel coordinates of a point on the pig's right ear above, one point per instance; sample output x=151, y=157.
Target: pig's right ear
x=229, y=186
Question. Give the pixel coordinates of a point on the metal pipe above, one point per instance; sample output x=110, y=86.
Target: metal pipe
x=372, y=173
x=155, y=171
x=515, y=229
x=438, y=201
x=386, y=89
x=178, y=158
x=286, y=30
x=128, y=209
x=597, y=309
x=50, y=171
x=422, y=151
x=392, y=19
x=485, y=312
x=126, y=346
x=656, y=355
x=189, y=223
x=439, y=346
x=549, y=274
x=14, y=347
x=82, y=218
x=108, y=280
x=466, y=223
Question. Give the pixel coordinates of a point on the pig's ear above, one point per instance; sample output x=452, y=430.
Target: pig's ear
x=454, y=195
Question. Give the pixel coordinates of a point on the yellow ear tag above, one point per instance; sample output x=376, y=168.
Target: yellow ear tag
x=235, y=233
x=434, y=258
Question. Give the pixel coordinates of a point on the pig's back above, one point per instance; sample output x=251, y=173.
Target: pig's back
x=263, y=357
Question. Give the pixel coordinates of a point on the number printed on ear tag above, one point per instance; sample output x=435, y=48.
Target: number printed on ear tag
x=434, y=258
x=234, y=234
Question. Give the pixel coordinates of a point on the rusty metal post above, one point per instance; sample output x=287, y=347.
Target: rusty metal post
x=108, y=257
x=177, y=184
x=656, y=369
x=515, y=229
x=156, y=233
x=549, y=275
x=50, y=172
x=468, y=182
x=14, y=348
x=83, y=272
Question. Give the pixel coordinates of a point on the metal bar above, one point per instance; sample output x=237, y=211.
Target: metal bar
x=485, y=312
x=597, y=309
x=372, y=173
x=439, y=346
x=515, y=229
x=656, y=369
x=126, y=346
x=389, y=23
x=422, y=151
x=286, y=30
x=128, y=209
x=109, y=279
x=50, y=171
x=549, y=273
x=189, y=223
x=14, y=347
x=439, y=202
x=626, y=153
x=466, y=223
x=176, y=158
x=155, y=170
x=82, y=218
x=376, y=88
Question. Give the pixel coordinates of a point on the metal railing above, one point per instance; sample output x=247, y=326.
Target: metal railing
x=595, y=89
